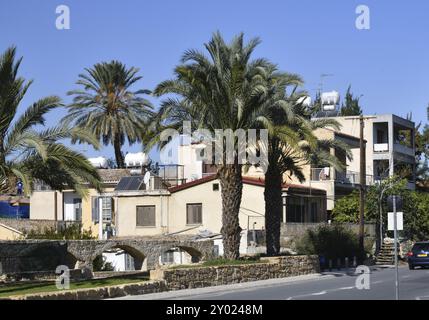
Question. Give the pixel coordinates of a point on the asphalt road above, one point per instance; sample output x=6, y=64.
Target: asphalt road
x=327, y=286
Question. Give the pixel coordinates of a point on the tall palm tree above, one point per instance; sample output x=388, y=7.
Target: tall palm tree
x=30, y=155
x=292, y=144
x=223, y=90
x=107, y=107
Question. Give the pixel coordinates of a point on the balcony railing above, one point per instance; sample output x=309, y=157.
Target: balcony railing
x=346, y=177
x=381, y=147
x=352, y=177
x=321, y=174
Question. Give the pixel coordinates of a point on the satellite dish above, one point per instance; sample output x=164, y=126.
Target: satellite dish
x=146, y=178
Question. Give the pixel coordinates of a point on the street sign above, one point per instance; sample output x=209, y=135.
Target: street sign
x=391, y=221
x=398, y=203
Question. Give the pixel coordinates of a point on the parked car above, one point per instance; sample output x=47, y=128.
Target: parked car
x=419, y=255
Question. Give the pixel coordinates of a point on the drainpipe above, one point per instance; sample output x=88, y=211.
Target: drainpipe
x=55, y=206
x=162, y=214
x=100, y=218
x=116, y=210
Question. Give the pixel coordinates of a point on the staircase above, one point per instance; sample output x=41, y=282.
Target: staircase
x=386, y=256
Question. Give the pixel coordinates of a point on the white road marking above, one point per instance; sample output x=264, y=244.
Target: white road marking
x=321, y=292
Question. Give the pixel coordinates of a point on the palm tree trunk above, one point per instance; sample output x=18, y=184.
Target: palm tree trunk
x=231, y=187
x=118, y=153
x=273, y=208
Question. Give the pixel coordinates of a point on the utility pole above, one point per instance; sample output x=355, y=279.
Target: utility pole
x=362, y=180
x=395, y=231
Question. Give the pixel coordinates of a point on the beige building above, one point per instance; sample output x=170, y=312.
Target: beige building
x=324, y=177
x=67, y=205
x=390, y=145
x=131, y=208
x=196, y=206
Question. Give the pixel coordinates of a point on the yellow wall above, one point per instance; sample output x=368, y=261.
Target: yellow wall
x=9, y=233
x=252, y=210
x=87, y=222
x=42, y=205
x=127, y=212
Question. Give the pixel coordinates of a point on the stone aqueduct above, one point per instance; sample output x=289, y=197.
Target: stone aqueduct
x=40, y=255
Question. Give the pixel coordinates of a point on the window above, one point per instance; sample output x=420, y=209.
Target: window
x=145, y=216
x=77, y=206
x=94, y=209
x=314, y=212
x=295, y=209
x=106, y=207
x=215, y=186
x=167, y=257
x=194, y=213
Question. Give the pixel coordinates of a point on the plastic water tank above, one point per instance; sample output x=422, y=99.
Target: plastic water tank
x=331, y=98
x=136, y=159
x=99, y=162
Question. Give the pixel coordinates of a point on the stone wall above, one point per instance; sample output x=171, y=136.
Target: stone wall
x=290, y=232
x=27, y=225
x=17, y=256
x=277, y=267
x=97, y=293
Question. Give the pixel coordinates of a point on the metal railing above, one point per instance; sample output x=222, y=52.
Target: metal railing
x=321, y=174
x=345, y=177
x=352, y=177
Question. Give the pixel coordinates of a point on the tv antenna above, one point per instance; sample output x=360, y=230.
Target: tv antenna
x=322, y=77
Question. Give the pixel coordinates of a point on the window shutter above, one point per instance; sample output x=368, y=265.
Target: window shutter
x=194, y=213
x=94, y=207
x=146, y=216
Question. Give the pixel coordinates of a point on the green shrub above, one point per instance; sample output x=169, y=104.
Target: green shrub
x=100, y=264
x=331, y=241
x=72, y=232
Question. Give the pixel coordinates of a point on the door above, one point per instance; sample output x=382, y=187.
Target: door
x=77, y=208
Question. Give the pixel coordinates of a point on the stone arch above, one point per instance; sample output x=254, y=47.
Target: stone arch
x=193, y=253
x=137, y=254
x=42, y=256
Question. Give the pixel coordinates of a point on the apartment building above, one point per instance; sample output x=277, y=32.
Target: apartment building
x=390, y=147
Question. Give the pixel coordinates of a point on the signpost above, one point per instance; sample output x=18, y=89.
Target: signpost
x=395, y=225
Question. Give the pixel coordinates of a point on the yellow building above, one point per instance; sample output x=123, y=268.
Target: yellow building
x=67, y=205
x=130, y=208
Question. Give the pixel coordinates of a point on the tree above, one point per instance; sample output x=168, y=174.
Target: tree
x=292, y=144
x=29, y=155
x=347, y=208
x=108, y=108
x=351, y=105
x=416, y=215
x=221, y=91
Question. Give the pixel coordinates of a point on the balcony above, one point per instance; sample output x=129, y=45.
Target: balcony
x=172, y=175
x=346, y=177
x=381, y=147
x=352, y=177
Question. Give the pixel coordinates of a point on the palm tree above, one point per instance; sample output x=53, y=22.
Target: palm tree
x=292, y=144
x=107, y=107
x=29, y=155
x=221, y=91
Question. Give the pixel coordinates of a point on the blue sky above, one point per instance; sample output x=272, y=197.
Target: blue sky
x=388, y=64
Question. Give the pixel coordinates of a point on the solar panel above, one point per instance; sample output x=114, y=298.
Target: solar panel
x=129, y=183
